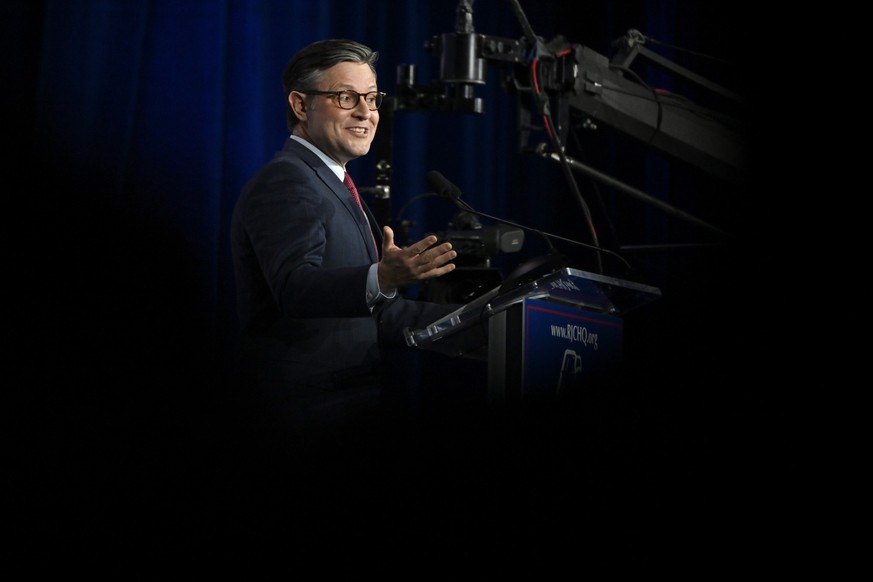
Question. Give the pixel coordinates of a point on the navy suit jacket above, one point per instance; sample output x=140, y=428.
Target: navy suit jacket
x=301, y=252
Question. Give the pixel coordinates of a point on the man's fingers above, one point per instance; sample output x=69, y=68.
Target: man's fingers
x=388, y=235
x=423, y=245
x=434, y=250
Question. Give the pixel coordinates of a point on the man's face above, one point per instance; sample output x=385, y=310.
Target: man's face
x=342, y=134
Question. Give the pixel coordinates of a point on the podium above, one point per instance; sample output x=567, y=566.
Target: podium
x=541, y=337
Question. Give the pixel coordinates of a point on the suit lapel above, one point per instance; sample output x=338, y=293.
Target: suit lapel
x=342, y=193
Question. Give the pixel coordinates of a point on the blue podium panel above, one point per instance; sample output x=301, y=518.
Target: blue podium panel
x=541, y=336
x=564, y=345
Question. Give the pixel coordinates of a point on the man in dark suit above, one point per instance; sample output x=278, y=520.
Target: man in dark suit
x=317, y=282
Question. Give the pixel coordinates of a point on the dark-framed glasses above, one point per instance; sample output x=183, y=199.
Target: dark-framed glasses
x=348, y=99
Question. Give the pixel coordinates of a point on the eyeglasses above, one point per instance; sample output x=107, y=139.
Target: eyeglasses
x=349, y=99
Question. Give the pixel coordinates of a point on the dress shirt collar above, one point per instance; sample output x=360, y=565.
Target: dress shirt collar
x=335, y=167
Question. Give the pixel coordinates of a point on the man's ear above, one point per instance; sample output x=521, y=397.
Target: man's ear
x=297, y=101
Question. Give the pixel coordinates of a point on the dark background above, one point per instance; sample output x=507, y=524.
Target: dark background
x=130, y=129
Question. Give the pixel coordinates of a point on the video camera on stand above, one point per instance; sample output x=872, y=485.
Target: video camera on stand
x=476, y=247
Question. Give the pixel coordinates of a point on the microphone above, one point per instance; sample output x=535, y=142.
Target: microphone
x=491, y=239
x=443, y=187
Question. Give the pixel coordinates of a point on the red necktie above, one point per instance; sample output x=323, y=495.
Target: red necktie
x=347, y=180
